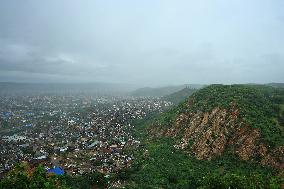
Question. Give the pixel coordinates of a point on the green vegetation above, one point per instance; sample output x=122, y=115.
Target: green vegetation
x=23, y=177
x=87, y=181
x=5, y=124
x=179, y=96
x=260, y=107
x=163, y=166
x=160, y=165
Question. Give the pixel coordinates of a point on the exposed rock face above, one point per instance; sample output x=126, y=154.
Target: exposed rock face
x=206, y=135
x=274, y=158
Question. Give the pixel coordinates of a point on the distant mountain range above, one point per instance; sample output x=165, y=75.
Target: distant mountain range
x=179, y=96
x=280, y=85
x=163, y=91
x=174, y=93
x=65, y=88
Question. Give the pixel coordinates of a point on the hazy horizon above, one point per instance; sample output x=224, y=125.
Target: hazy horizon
x=144, y=43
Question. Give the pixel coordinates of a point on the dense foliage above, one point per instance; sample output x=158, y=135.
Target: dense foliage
x=160, y=165
x=260, y=107
x=86, y=181
x=179, y=96
x=163, y=166
x=23, y=177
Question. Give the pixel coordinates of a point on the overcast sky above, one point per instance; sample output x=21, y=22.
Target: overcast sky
x=145, y=42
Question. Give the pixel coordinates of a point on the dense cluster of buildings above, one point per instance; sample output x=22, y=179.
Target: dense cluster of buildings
x=77, y=133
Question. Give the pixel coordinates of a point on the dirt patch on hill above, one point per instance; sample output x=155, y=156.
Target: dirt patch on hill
x=206, y=135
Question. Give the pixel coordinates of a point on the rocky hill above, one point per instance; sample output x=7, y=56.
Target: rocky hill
x=243, y=120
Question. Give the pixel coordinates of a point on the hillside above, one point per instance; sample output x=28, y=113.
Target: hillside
x=179, y=96
x=222, y=136
x=245, y=120
x=162, y=91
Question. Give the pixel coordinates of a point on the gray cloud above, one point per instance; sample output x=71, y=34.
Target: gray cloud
x=146, y=42
x=25, y=58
